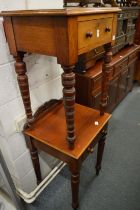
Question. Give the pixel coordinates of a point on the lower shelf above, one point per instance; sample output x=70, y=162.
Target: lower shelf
x=51, y=129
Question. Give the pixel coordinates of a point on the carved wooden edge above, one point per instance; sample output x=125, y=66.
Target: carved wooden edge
x=106, y=69
x=68, y=82
x=42, y=110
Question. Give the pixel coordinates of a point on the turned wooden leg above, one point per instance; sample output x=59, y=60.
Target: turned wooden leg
x=35, y=158
x=20, y=68
x=75, y=179
x=22, y=78
x=75, y=189
x=100, y=151
x=68, y=81
x=105, y=77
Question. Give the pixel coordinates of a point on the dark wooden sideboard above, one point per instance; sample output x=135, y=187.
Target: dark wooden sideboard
x=88, y=84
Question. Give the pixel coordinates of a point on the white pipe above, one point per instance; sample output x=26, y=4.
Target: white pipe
x=29, y=198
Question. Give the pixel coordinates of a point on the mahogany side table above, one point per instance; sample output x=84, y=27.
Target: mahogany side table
x=64, y=33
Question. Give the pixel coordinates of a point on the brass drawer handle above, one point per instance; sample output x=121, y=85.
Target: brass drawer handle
x=107, y=29
x=89, y=34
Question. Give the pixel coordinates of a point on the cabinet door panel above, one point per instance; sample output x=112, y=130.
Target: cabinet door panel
x=122, y=86
x=130, y=76
x=112, y=94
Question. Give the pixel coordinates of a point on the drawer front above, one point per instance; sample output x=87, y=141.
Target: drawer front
x=96, y=82
x=94, y=33
x=120, y=66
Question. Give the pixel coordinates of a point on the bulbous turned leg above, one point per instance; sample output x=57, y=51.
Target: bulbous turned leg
x=35, y=159
x=100, y=151
x=68, y=81
x=22, y=78
x=75, y=179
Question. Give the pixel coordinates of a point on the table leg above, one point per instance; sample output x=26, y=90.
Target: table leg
x=100, y=151
x=68, y=82
x=35, y=159
x=75, y=179
x=20, y=68
x=75, y=189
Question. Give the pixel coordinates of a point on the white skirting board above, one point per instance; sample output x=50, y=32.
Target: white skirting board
x=31, y=197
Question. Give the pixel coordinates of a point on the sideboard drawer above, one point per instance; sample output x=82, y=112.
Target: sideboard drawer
x=96, y=82
x=120, y=66
x=93, y=33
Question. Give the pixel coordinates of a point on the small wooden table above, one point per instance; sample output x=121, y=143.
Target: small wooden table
x=64, y=33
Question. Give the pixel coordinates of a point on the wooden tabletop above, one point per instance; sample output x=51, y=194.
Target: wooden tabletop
x=51, y=129
x=72, y=11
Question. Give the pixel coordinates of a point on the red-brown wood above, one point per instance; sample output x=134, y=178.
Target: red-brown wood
x=101, y=145
x=105, y=77
x=56, y=33
x=34, y=157
x=123, y=65
x=68, y=81
x=20, y=68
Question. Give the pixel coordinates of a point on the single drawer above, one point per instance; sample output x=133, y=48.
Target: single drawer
x=120, y=66
x=94, y=33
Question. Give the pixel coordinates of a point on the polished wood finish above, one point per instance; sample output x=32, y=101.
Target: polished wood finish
x=61, y=12
x=105, y=77
x=57, y=33
x=137, y=35
x=34, y=157
x=68, y=81
x=122, y=67
x=126, y=31
x=57, y=28
x=84, y=117
x=137, y=70
x=101, y=145
x=97, y=29
x=22, y=78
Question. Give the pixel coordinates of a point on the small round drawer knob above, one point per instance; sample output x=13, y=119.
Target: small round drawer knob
x=89, y=34
x=107, y=29
x=90, y=149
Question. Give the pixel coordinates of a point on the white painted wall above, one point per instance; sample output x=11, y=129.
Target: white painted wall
x=45, y=83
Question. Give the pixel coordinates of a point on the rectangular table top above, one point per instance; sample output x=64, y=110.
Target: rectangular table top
x=72, y=11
